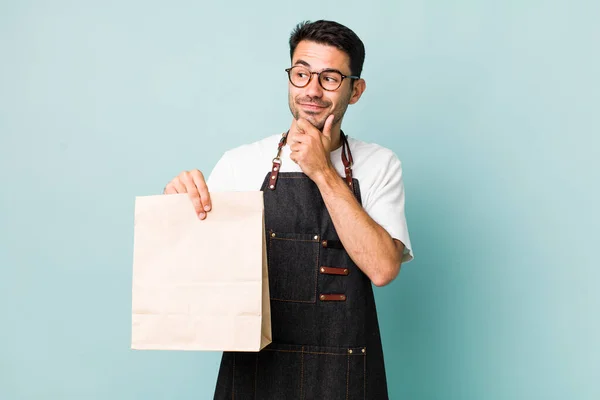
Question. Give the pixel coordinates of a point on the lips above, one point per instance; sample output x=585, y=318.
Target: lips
x=312, y=106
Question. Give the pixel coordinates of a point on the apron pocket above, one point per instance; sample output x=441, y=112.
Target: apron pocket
x=334, y=373
x=293, y=266
x=279, y=372
x=311, y=372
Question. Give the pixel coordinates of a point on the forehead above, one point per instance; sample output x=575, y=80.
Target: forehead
x=321, y=56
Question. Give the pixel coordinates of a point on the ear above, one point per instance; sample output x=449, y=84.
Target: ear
x=357, y=90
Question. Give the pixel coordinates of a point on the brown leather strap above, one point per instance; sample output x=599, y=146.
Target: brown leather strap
x=332, y=244
x=333, y=297
x=277, y=162
x=347, y=159
x=274, y=174
x=334, y=271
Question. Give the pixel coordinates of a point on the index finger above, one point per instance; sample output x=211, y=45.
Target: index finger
x=202, y=189
x=296, y=136
x=192, y=190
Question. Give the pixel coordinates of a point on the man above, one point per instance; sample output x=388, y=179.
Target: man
x=334, y=217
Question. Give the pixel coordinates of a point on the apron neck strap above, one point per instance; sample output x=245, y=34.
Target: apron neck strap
x=346, y=160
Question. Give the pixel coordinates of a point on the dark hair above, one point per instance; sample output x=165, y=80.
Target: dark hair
x=333, y=34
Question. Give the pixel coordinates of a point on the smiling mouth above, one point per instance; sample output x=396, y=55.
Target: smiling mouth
x=310, y=106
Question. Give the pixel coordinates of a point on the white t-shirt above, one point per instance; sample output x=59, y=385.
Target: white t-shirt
x=377, y=169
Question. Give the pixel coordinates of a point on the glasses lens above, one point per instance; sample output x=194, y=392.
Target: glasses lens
x=299, y=76
x=331, y=80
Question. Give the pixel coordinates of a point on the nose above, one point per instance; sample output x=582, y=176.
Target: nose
x=314, y=89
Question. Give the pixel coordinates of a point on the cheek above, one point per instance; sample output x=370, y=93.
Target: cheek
x=336, y=102
x=293, y=92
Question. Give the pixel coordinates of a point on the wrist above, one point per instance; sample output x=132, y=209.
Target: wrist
x=327, y=178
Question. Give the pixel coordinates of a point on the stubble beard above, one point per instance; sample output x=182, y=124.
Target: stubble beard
x=312, y=118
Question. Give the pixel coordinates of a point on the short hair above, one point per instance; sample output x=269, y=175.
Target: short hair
x=333, y=34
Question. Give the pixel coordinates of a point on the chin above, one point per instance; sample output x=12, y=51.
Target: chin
x=317, y=122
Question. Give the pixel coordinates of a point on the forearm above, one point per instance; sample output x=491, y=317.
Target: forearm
x=367, y=243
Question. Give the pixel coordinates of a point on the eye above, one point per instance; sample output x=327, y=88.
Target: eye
x=331, y=77
x=301, y=73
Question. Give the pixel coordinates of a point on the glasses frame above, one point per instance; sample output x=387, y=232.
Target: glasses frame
x=311, y=73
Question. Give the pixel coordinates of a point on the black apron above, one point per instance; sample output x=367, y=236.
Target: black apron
x=326, y=341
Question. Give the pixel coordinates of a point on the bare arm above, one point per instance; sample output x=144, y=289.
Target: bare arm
x=368, y=244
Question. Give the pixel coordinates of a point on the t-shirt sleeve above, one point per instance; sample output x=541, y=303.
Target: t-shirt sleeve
x=386, y=200
x=222, y=178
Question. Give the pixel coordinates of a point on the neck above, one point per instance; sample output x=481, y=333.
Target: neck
x=336, y=137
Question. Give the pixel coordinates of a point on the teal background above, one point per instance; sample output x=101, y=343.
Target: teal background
x=492, y=107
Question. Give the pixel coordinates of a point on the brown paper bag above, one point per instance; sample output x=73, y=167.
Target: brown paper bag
x=200, y=285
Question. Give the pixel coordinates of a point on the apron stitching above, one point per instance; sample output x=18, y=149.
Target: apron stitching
x=302, y=374
x=269, y=252
x=294, y=301
x=269, y=260
x=365, y=377
x=348, y=377
x=233, y=379
x=294, y=240
x=317, y=273
x=313, y=352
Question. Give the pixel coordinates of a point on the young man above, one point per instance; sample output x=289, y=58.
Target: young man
x=334, y=217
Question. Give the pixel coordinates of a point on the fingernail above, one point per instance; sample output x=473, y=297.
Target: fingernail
x=206, y=208
x=202, y=215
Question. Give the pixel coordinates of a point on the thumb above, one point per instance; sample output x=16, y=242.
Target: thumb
x=328, y=125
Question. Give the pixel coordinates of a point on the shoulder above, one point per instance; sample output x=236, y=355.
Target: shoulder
x=372, y=157
x=254, y=151
x=245, y=165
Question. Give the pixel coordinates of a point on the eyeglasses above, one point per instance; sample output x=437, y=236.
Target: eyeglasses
x=329, y=79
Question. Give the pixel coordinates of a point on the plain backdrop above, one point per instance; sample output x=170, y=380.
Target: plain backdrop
x=491, y=106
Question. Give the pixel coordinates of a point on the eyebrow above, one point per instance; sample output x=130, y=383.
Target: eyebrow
x=307, y=65
x=302, y=62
